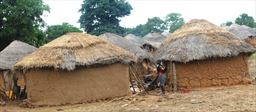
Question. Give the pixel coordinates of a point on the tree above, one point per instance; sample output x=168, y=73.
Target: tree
x=100, y=16
x=136, y=31
x=245, y=19
x=20, y=20
x=55, y=31
x=228, y=23
x=154, y=24
x=173, y=21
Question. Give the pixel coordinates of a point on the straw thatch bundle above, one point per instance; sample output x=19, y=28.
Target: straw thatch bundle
x=154, y=38
x=135, y=39
x=75, y=49
x=243, y=32
x=14, y=52
x=125, y=44
x=200, y=39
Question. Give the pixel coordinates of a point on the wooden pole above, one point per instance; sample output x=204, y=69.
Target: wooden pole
x=130, y=77
x=174, y=77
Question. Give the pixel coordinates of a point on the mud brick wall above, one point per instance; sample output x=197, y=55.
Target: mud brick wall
x=49, y=87
x=213, y=72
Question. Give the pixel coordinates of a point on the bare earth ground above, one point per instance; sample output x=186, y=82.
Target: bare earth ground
x=217, y=99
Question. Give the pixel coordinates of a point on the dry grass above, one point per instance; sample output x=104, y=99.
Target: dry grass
x=75, y=49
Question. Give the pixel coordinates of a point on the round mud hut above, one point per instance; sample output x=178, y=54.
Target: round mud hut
x=202, y=54
x=244, y=32
x=75, y=68
x=135, y=39
x=144, y=64
x=154, y=38
x=125, y=44
x=241, y=31
x=13, y=53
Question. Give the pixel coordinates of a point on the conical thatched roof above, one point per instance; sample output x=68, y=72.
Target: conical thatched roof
x=14, y=52
x=125, y=44
x=75, y=49
x=200, y=39
x=134, y=38
x=154, y=38
x=243, y=32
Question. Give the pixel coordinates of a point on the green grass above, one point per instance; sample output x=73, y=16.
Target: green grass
x=253, y=56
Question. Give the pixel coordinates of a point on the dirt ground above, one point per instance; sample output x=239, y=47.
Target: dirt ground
x=216, y=99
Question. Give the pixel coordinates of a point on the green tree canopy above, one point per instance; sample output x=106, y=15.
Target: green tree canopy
x=100, y=16
x=21, y=20
x=55, y=31
x=136, y=31
x=173, y=21
x=245, y=19
x=154, y=24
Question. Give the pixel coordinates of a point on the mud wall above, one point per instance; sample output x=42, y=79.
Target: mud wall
x=213, y=72
x=252, y=41
x=47, y=87
x=1, y=80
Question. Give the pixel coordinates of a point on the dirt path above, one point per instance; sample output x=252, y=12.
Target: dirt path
x=221, y=99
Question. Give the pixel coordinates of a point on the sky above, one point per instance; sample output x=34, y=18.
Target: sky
x=215, y=11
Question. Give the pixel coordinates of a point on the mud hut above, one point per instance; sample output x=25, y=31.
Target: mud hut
x=135, y=39
x=125, y=44
x=14, y=52
x=154, y=38
x=241, y=31
x=144, y=63
x=75, y=68
x=202, y=54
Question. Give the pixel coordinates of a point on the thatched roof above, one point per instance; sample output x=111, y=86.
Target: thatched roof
x=75, y=49
x=166, y=34
x=243, y=32
x=154, y=38
x=125, y=44
x=134, y=38
x=14, y=52
x=200, y=39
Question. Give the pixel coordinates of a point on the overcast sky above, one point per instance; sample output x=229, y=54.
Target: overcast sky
x=216, y=11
